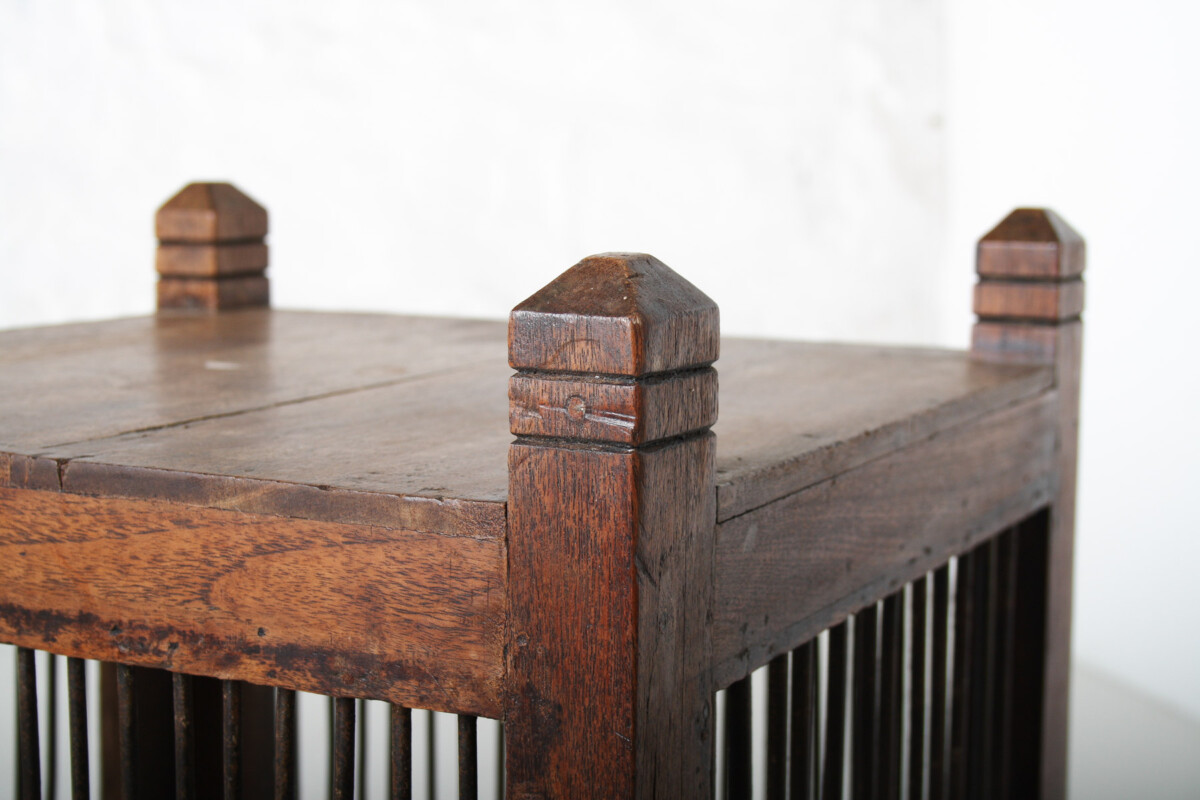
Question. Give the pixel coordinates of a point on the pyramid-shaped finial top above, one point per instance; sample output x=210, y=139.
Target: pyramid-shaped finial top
x=615, y=314
x=209, y=213
x=1031, y=243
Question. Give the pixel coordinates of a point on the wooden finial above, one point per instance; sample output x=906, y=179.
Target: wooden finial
x=1030, y=268
x=611, y=517
x=211, y=253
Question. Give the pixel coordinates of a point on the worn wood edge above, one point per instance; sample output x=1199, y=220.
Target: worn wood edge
x=459, y=662
x=480, y=519
x=733, y=658
x=743, y=492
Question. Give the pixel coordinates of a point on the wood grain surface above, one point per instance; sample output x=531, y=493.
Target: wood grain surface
x=409, y=617
x=220, y=294
x=210, y=212
x=211, y=260
x=791, y=569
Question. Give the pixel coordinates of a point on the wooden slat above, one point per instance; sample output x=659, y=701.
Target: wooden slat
x=1006, y=595
x=285, y=745
x=939, y=657
x=468, y=758
x=78, y=729
x=185, y=746
x=864, y=733
x=778, y=711
x=891, y=701
x=832, y=773
x=960, y=702
x=847, y=540
x=28, y=737
x=400, y=756
x=342, y=748
x=231, y=740
x=983, y=660
x=804, y=741
x=252, y=597
x=739, y=756
x=918, y=697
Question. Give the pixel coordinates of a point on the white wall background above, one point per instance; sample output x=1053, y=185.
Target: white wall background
x=820, y=168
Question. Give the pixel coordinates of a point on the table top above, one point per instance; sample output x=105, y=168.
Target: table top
x=403, y=421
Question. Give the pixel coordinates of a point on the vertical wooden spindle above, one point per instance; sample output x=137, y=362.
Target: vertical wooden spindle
x=891, y=700
x=50, y=786
x=400, y=762
x=939, y=687
x=431, y=759
x=1006, y=594
x=864, y=732
x=739, y=755
x=835, y=716
x=1029, y=300
x=804, y=744
x=231, y=740
x=77, y=728
x=128, y=731
x=918, y=603
x=360, y=768
x=211, y=253
x=285, y=744
x=468, y=758
x=777, y=727
x=185, y=748
x=960, y=703
x=28, y=738
x=611, y=512
x=979, y=757
x=343, y=748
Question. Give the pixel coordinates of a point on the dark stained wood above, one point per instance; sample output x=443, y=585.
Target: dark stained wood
x=832, y=772
x=29, y=739
x=400, y=746
x=286, y=772
x=222, y=294
x=145, y=733
x=343, y=748
x=981, y=779
x=739, y=753
x=78, y=729
x=864, y=732
x=185, y=727
x=853, y=539
x=1003, y=653
x=939, y=663
x=891, y=701
x=805, y=741
x=251, y=597
x=210, y=212
x=916, y=644
x=794, y=414
x=623, y=412
x=615, y=314
x=964, y=676
x=1036, y=243
x=211, y=260
x=231, y=740
x=1030, y=301
x=1031, y=243
x=610, y=553
x=778, y=711
x=468, y=758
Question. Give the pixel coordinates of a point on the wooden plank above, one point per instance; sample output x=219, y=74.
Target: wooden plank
x=794, y=414
x=850, y=540
x=418, y=616
x=73, y=383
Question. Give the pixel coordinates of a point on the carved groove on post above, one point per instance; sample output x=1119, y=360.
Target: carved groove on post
x=211, y=253
x=611, y=515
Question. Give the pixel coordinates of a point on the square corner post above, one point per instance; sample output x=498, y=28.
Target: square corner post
x=611, y=510
x=1029, y=301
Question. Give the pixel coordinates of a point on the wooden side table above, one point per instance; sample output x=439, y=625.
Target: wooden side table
x=335, y=503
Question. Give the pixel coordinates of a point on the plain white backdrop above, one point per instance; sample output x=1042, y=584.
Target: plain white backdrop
x=820, y=168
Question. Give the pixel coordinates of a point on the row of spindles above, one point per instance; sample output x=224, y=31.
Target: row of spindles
x=910, y=698
x=37, y=766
